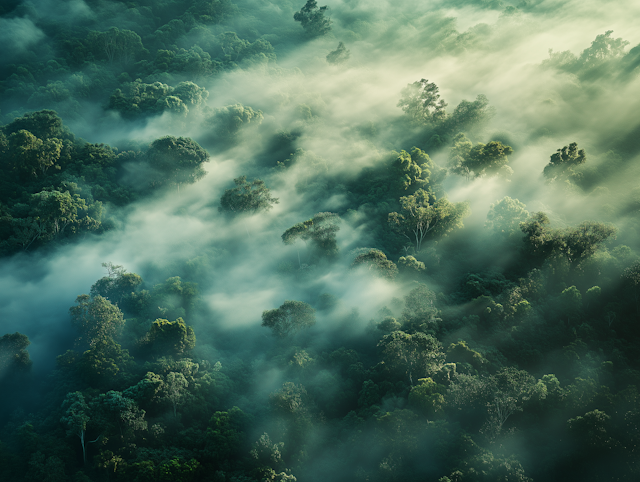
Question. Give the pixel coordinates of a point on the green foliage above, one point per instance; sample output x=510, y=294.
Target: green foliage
x=177, y=159
x=105, y=364
x=504, y=217
x=14, y=356
x=291, y=317
x=575, y=244
x=419, y=310
x=320, y=231
x=313, y=19
x=407, y=173
x=247, y=197
x=460, y=352
x=377, y=262
x=96, y=318
x=562, y=164
x=594, y=61
x=115, y=45
x=30, y=156
x=421, y=102
x=117, y=285
x=479, y=160
x=427, y=397
x=418, y=353
x=137, y=99
x=423, y=217
x=227, y=123
x=410, y=266
x=169, y=338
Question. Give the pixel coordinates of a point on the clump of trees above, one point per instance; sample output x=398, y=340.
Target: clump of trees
x=423, y=217
x=289, y=318
x=480, y=160
x=313, y=19
x=247, y=197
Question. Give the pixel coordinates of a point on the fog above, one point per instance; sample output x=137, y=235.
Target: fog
x=341, y=119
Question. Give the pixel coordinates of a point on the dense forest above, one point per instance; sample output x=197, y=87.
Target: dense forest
x=248, y=240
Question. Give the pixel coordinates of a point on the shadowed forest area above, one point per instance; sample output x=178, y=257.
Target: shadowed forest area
x=248, y=240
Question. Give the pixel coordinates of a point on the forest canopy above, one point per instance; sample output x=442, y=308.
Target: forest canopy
x=271, y=241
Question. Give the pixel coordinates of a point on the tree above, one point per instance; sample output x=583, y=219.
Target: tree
x=419, y=307
x=590, y=430
x=76, y=418
x=320, y=231
x=175, y=386
x=124, y=46
x=120, y=412
x=405, y=172
x=13, y=353
x=459, y=152
x=468, y=115
x=290, y=318
x=538, y=237
x=410, y=266
x=226, y=123
x=313, y=19
x=562, y=163
x=631, y=276
x=339, y=55
x=117, y=284
x=104, y=363
x=576, y=244
x=511, y=388
x=179, y=160
x=43, y=124
x=427, y=397
x=30, y=156
x=170, y=337
x=424, y=218
x=504, y=216
x=579, y=243
x=479, y=160
x=96, y=318
x=58, y=210
x=376, y=261
x=247, y=197
x=418, y=353
x=421, y=102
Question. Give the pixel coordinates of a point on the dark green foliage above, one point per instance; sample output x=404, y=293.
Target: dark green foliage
x=479, y=160
x=562, y=163
x=313, y=19
x=247, y=197
x=575, y=244
x=117, y=285
x=376, y=261
x=178, y=160
x=14, y=356
x=169, y=338
x=290, y=318
x=137, y=99
x=320, y=231
x=96, y=318
x=540, y=319
x=414, y=354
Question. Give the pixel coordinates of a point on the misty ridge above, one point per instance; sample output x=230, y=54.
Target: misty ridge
x=247, y=240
